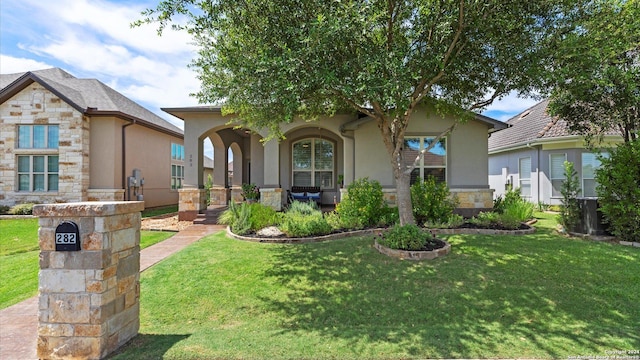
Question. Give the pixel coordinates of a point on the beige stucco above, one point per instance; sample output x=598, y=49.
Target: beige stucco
x=359, y=152
x=90, y=152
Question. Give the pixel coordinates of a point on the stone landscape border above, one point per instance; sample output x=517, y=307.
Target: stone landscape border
x=413, y=255
x=312, y=239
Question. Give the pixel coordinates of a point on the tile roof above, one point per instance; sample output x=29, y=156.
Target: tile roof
x=86, y=95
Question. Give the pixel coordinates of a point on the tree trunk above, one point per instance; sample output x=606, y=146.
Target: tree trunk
x=403, y=196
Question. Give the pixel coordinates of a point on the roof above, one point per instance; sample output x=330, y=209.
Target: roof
x=89, y=96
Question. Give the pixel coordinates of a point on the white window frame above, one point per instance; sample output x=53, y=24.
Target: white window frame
x=583, y=178
x=31, y=140
x=313, y=170
x=553, y=176
x=46, y=173
x=421, y=166
x=521, y=177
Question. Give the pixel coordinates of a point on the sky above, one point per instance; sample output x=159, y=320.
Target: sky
x=94, y=39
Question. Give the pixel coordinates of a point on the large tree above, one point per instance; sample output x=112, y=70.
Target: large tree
x=596, y=76
x=270, y=61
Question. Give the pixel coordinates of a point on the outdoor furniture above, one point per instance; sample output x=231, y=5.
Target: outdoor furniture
x=304, y=194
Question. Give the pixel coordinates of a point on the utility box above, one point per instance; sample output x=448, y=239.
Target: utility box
x=590, y=220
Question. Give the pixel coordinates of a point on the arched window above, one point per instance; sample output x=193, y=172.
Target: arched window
x=313, y=163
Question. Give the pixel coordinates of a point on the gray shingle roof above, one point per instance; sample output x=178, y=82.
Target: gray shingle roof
x=86, y=95
x=529, y=126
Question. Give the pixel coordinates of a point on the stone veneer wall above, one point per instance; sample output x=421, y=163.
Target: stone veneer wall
x=193, y=201
x=36, y=105
x=219, y=195
x=89, y=299
x=272, y=198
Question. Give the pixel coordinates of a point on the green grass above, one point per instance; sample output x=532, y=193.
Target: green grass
x=534, y=296
x=19, y=251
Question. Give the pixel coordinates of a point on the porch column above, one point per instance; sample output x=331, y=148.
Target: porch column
x=270, y=192
x=348, y=159
x=193, y=162
x=219, y=193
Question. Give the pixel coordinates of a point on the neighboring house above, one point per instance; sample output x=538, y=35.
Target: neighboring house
x=530, y=155
x=66, y=139
x=317, y=153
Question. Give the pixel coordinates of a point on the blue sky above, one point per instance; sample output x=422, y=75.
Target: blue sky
x=93, y=39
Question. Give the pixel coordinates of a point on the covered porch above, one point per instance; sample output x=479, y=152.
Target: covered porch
x=311, y=154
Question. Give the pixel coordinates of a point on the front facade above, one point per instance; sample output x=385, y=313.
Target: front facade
x=343, y=147
x=530, y=155
x=68, y=140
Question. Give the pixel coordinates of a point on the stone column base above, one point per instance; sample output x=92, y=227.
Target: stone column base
x=219, y=196
x=473, y=201
x=272, y=198
x=236, y=194
x=192, y=202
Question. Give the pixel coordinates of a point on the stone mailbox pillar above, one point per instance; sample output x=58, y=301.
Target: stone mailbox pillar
x=89, y=298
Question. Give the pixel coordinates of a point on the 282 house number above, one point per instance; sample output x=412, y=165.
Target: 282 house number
x=65, y=238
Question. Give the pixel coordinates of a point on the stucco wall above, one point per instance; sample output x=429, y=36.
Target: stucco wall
x=35, y=105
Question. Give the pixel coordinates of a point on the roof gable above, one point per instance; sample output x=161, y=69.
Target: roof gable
x=88, y=96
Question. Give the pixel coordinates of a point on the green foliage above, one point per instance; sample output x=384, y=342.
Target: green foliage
x=207, y=187
x=4, y=209
x=386, y=58
x=388, y=216
x=303, y=207
x=453, y=221
x=619, y=190
x=238, y=217
x=297, y=224
x=521, y=211
x=595, y=76
x=512, y=196
x=250, y=192
x=262, y=216
x=432, y=201
x=363, y=205
x=569, y=212
x=404, y=237
x=22, y=209
x=492, y=219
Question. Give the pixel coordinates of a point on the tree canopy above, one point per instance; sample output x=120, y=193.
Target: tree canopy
x=596, y=75
x=270, y=61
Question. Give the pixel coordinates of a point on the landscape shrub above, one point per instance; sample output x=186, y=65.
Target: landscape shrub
x=432, y=201
x=22, y=209
x=453, y=221
x=511, y=197
x=389, y=216
x=4, y=209
x=521, y=210
x=619, y=192
x=363, y=205
x=295, y=224
x=262, y=216
x=405, y=237
x=237, y=217
x=492, y=219
x=569, y=212
x=303, y=208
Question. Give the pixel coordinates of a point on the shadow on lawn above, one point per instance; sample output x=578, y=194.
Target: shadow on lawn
x=147, y=346
x=492, y=294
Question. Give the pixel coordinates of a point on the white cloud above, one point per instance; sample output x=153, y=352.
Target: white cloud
x=511, y=103
x=13, y=65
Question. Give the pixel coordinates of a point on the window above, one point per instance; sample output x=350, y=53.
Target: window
x=38, y=173
x=177, y=166
x=313, y=163
x=590, y=163
x=556, y=173
x=524, y=172
x=177, y=176
x=38, y=136
x=434, y=161
x=177, y=152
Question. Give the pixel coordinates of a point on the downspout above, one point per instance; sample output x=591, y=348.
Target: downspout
x=537, y=170
x=124, y=159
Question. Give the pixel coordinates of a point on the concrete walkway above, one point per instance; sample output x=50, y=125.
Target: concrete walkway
x=19, y=323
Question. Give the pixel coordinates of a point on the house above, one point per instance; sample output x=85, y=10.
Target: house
x=530, y=155
x=66, y=139
x=318, y=153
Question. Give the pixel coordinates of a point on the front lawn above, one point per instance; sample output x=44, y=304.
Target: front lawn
x=19, y=252
x=534, y=296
